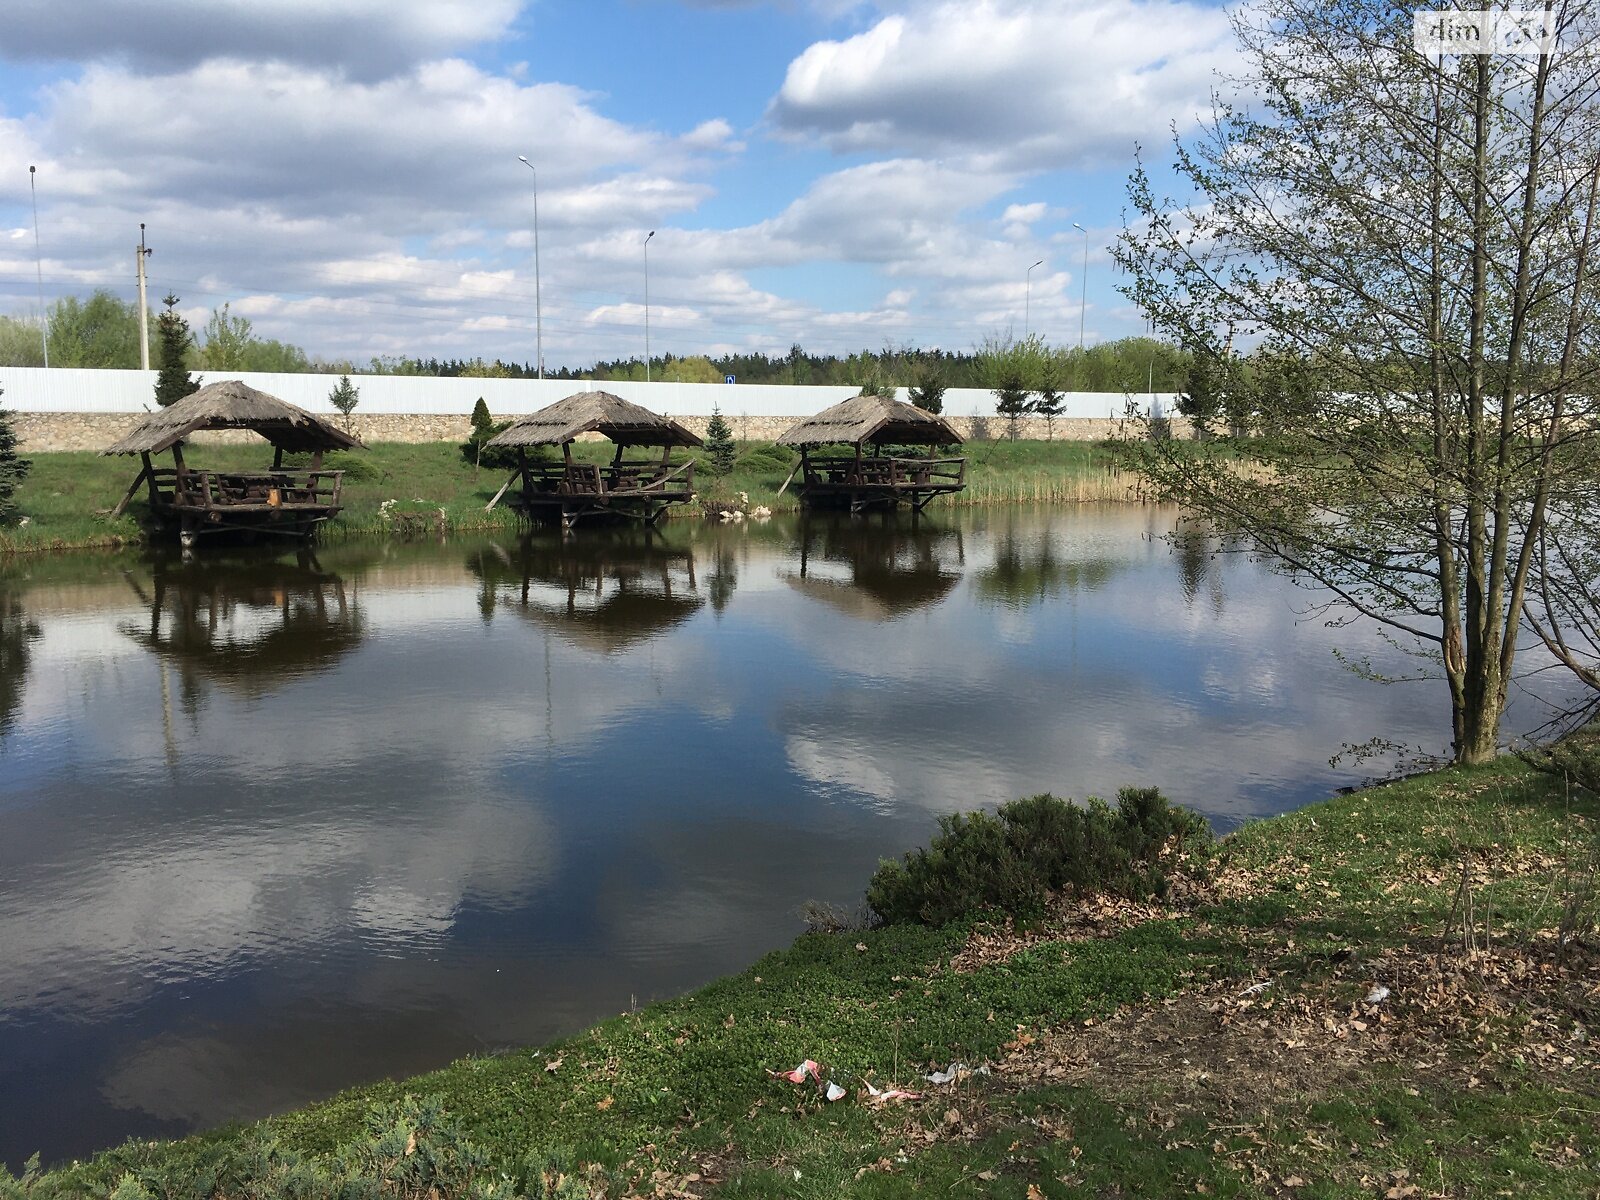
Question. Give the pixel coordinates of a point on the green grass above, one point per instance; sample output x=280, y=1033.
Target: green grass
x=66, y=496
x=1321, y=902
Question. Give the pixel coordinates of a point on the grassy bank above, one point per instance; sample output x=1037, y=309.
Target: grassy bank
x=1228, y=1042
x=67, y=495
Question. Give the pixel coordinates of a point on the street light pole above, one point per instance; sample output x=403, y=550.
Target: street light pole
x=648, y=236
x=538, y=301
x=1083, y=303
x=38, y=258
x=1027, y=302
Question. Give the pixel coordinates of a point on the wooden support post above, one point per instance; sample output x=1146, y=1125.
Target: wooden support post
x=489, y=507
x=277, y=458
x=132, y=488
x=786, y=482
x=316, y=461
x=150, y=475
x=180, y=485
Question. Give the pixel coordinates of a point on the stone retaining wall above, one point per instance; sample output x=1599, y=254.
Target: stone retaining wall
x=43, y=432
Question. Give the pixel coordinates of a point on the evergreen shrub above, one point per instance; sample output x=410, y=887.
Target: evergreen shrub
x=13, y=469
x=485, y=429
x=1031, y=849
x=719, y=446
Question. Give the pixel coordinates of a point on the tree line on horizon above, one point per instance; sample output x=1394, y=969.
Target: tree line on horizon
x=102, y=331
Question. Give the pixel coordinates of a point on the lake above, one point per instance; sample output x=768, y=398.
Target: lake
x=273, y=826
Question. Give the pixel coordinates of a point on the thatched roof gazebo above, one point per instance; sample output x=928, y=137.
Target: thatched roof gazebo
x=278, y=500
x=881, y=478
x=641, y=488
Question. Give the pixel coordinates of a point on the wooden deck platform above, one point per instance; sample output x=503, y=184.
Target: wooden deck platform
x=878, y=481
x=571, y=490
x=292, y=503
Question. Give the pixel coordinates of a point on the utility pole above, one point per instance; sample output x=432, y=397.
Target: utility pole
x=38, y=258
x=1027, y=303
x=647, y=306
x=141, y=252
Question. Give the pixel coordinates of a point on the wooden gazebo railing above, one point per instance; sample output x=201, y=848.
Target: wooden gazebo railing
x=210, y=490
x=613, y=479
x=886, y=471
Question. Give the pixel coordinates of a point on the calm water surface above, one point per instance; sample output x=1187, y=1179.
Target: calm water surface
x=269, y=827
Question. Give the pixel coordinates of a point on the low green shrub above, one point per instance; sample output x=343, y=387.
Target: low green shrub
x=355, y=467
x=1029, y=850
x=766, y=456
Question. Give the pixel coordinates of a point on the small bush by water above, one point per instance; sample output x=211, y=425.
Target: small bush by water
x=1031, y=849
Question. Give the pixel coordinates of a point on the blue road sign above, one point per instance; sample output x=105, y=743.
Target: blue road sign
x=730, y=379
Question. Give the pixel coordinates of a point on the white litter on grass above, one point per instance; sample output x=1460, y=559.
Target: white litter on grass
x=1378, y=994
x=885, y=1095
x=1255, y=989
x=954, y=1071
x=834, y=1092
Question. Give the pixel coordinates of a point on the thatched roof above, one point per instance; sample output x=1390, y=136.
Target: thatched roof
x=595, y=412
x=233, y=404
x=872, y=419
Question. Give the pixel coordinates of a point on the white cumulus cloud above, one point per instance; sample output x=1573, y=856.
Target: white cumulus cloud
x=1032, y=84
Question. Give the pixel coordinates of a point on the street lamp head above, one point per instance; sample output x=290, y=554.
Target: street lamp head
x=1040, y=263
x=648, y=236
x=1078, y=227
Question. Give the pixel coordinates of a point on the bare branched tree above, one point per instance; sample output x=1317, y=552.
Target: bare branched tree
x=1408, y=244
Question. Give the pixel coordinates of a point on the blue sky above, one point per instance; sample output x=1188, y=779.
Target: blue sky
x=836, y=173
